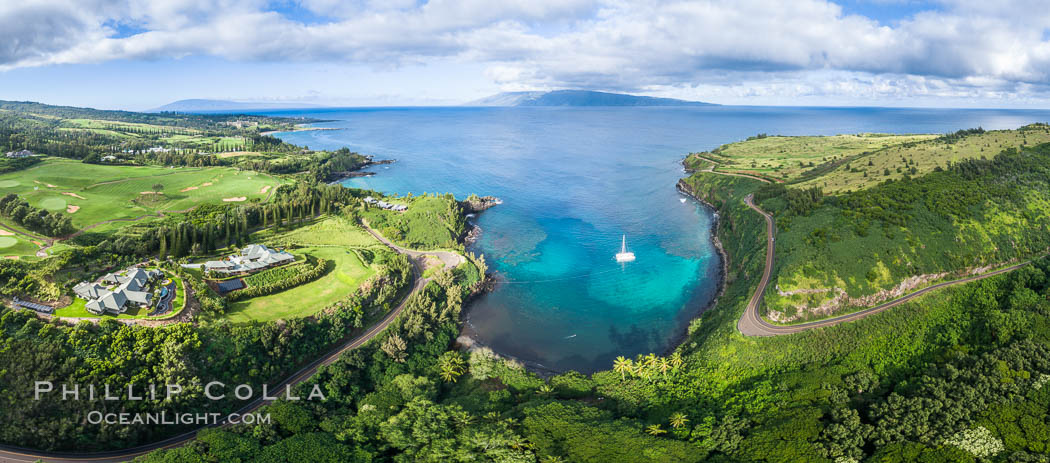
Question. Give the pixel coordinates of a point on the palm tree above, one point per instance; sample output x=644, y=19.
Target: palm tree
x=623, y=366
x=451, y=366
x=655, y=430
x=545, y=390
x=676, y=360
x=678, y=420
x=553, y=459
x=663, y=365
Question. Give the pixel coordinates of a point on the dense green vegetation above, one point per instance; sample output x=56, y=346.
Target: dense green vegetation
x=289, y=277
x=431, y=222
x=837, y=251
x=40, y=220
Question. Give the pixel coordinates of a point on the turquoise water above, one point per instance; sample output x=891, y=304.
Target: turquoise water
x=573, y=181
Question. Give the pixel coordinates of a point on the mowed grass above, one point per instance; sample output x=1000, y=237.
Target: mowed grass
x=14, y=246
x=347, y=274
x=855, y=162
x=103, y=192
x=895, y=162
x=789, y=157
x=327, y=231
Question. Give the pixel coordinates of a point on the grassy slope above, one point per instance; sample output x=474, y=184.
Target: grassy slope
x=113, y=192
x=779, y=157
x=783, y=384
x=847, y=247
x=331, y=238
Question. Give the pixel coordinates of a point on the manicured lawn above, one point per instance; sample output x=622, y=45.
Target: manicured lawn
x=307, y=299
x=17, y=246
x=103, y=192
x=325, y=231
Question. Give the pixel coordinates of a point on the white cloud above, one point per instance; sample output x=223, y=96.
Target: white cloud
x=802, y=47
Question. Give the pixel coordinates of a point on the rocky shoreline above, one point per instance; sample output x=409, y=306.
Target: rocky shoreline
x=357, y=172
x=723, y=269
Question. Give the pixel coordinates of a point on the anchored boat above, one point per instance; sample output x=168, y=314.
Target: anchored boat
x=624, y=255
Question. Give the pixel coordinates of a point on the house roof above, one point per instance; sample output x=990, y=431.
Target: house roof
x=89, y=290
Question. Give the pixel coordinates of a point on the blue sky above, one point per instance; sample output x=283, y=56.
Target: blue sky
x=139, y=54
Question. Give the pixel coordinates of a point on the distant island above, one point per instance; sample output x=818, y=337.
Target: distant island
x=198, y=105
x=578, y=98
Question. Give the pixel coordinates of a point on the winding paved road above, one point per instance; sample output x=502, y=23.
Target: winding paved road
x=18, y=454
x=751, y=322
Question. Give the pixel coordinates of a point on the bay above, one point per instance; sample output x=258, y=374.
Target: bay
x=573, y=181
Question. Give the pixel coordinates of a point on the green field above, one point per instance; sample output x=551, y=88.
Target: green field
x=850, y=162
x=104, y=192
x=788, y=157
x=15, y=246
x=305, y=300
x=335, y=231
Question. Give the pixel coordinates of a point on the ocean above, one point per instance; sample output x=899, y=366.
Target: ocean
x=574, y=181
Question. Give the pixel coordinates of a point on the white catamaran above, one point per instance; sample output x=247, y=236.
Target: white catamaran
x=624, y=255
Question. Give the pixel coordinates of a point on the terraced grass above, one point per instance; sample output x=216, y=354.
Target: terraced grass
x=347, y=274
x=103, y=192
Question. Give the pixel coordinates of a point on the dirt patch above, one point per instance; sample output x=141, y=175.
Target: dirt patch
x=5, y=232
x=235, y=199
x=73, y=195
x=38, y=243
x=207, y=184
x=71, y=208
x=189, y=188
x=151, y=192
x=11, y=257
x=264, y=189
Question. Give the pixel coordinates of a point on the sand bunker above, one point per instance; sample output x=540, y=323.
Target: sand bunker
x=207, y=184
x=73, y=195
x=238, y=198
x=264, y=189
x=11, y=257
x=71, y=208
x=189, y=188
x=5, y=232
x=151, y=192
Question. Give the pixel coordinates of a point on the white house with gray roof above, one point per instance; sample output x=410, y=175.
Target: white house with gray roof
x=130, y=287
x=253, y=258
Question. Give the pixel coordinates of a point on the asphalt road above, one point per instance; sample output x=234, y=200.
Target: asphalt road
x=18, y=454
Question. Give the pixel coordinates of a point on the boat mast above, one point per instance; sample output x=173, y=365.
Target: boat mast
x=623, y=247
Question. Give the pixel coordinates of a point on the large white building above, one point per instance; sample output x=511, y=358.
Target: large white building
x=131, y=288
x=253, y=258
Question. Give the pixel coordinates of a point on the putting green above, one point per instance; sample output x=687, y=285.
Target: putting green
x=53, y=204
x=9, y=183
x=7, y=241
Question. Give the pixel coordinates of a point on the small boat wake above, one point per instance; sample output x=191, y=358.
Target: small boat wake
x=570, y=336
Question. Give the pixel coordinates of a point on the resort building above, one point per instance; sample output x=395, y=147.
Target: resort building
x=19, y=154
x=253, y=258
x=130, y=287
x=386, y=205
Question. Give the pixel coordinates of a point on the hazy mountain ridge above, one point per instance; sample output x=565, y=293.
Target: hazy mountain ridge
x=202, y=104
x=578, y=98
